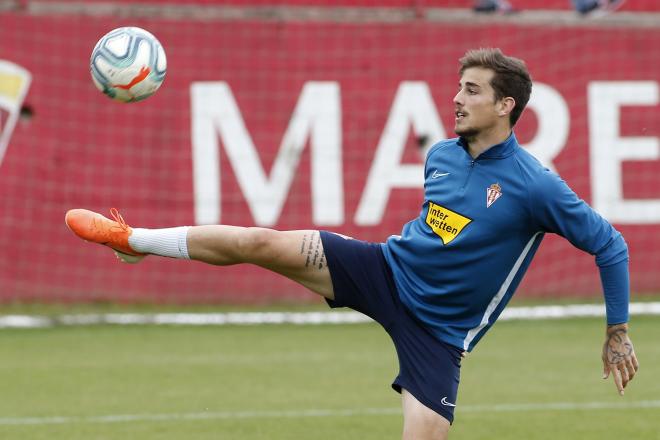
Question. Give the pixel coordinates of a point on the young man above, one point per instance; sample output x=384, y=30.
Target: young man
x=440, y=285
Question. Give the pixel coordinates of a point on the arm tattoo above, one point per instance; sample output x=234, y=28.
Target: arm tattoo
x=618, y=347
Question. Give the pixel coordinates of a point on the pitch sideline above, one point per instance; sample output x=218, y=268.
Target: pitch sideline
x=224, y=415
x=296, y=318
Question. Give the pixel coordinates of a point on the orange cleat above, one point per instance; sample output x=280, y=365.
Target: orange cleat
x=91, y=226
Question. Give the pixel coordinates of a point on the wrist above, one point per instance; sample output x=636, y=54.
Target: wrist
x=616, y=327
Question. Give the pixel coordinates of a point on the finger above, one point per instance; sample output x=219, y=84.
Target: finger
x=606, y=370
x=631, y=368
x=634, y=361
x=625, y=377
x=617, y=380
x=623, y=368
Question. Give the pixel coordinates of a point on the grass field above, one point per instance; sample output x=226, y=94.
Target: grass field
x=526, y=380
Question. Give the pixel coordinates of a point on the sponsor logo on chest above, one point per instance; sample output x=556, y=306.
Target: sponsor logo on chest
x=446, y=223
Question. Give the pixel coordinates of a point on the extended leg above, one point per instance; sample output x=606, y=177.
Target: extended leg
x=297, y=255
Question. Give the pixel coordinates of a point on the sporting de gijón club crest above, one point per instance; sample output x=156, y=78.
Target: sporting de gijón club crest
x=493, y=193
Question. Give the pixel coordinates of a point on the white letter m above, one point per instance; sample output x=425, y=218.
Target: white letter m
x=317, y=116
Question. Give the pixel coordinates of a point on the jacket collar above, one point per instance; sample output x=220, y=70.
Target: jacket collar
x=497, y=151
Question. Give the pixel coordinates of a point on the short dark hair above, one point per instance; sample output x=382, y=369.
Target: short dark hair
x=511, y=76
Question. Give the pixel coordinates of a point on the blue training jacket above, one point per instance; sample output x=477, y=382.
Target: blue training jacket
x=457, y=265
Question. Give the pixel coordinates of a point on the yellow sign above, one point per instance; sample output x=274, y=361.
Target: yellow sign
x=14, y=84
x=446, y=223
x=11, y=85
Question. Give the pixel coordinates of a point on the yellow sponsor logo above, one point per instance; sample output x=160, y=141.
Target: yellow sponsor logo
x=446, y=223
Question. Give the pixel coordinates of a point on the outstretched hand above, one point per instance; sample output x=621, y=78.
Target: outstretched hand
x=619, y=356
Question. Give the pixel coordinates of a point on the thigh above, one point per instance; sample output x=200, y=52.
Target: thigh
x=421, y=422
x=429, y=369
x=298, y=255
x=361, y=278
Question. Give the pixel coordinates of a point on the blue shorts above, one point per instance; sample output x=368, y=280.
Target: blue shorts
x=362, y=280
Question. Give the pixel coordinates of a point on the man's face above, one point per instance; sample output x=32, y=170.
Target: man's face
x=475, y=107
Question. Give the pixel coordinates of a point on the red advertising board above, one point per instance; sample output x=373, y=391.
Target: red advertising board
x=372, y=87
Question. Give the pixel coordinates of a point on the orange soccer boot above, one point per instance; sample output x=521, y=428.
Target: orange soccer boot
x=91, y=226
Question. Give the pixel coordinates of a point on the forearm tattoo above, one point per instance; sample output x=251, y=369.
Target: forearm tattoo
x=618, y=346
x=312, y=248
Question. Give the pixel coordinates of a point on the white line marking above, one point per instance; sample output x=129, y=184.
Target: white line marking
x=223, y=415
x=298, y=318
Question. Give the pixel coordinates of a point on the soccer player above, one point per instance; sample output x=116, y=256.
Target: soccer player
x=440, y=285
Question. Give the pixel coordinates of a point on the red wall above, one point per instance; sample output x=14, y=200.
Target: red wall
x=79, y=149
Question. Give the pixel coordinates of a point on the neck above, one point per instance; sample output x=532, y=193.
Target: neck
x=482, y=141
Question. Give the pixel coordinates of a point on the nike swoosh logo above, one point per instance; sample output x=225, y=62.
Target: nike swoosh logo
x=445, y=403
x=436, y=174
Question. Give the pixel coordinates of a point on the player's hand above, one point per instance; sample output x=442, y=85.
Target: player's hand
x=619, y=356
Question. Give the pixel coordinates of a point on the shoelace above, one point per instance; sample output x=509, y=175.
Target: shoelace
x=119, y=219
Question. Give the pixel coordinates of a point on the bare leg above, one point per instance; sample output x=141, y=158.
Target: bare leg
x=420, y=422
x=298, y=255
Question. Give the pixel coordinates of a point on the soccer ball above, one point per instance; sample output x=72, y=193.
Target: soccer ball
x=128, y=64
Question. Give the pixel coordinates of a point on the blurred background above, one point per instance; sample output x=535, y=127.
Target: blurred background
x=367, y=84
x=305, y=114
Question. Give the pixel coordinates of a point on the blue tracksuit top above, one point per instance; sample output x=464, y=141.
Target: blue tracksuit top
x=457, y=265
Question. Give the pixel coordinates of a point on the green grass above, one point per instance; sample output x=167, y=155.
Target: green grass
x=264, y=372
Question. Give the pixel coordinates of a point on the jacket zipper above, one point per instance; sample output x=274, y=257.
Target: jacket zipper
x=467, y=179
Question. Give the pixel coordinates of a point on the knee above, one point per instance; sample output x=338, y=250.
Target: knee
x=255, y=243
x=426, y=429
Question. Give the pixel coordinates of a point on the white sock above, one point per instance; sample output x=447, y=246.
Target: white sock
x=168, y=242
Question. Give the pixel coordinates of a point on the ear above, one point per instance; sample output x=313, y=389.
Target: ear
x=505, y=106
